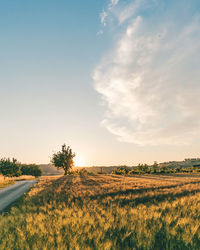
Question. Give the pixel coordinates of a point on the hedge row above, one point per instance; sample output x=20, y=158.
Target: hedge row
x=13, y=168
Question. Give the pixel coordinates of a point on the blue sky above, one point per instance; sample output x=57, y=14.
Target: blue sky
x=70, y=72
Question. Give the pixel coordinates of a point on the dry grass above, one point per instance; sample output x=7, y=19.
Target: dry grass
x=106, y=212
x=7, y=181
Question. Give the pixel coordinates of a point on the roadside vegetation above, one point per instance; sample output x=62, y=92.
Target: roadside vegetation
x=12, y=171
x=13, y=168
x=7, y=181
x=106, y=212
x=4, y=182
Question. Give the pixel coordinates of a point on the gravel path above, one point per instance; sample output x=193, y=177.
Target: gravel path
x=10, y=194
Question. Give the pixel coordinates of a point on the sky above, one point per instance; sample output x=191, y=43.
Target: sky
x=117, y=80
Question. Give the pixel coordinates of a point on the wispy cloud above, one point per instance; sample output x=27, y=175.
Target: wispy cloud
x=121, y=13
x=113, y=3
x=105, y=13
x=127, y=11
x=150, y=80
x=103, y=16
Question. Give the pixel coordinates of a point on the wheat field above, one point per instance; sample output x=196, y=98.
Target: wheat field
x=106, y=212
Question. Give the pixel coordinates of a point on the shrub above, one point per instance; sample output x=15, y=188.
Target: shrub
x=121, y=171
x=31, y=169
x=83, y=171
x=133, y=171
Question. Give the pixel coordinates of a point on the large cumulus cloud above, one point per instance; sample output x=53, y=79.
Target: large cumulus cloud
x=150, y=81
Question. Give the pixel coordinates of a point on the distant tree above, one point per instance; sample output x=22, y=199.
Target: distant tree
x=10, y=167
x=142, y=168
x=64, y=159
x=155, y=167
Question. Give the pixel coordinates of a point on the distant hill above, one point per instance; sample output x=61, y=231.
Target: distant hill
x=190, y=162
x=49, y=169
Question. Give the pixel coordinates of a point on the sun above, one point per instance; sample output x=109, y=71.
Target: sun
x=79, y=161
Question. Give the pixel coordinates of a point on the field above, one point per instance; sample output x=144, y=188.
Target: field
x=106, y=212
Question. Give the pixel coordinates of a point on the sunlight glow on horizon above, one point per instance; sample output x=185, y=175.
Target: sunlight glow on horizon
x=79, y=161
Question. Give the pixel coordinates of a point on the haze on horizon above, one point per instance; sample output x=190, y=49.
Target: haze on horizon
x=116, y=80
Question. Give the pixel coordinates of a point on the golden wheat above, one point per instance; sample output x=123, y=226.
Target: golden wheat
x=106, y=212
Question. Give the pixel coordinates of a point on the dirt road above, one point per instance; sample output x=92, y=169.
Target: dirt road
x=10, y=194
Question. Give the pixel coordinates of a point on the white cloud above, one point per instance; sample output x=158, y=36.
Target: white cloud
x=150, y=81
x=128, y=11
x=103, y=16
x=105, y=13
x=113, y=3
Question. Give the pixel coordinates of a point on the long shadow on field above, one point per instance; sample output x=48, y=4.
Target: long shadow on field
x=87, y=181
x=59, y=186
x=170, y=178
x=154, y=199
x=159, y=197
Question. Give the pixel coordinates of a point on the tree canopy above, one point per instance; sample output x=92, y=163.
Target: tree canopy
x=64, y=159
x=10, y=167
x=31, y=169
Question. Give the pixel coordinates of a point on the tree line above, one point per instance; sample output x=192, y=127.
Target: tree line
x=64, y=159
x=13, y=168
x=153, y=169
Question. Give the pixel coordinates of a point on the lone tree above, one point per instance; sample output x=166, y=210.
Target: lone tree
x=63, y=159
